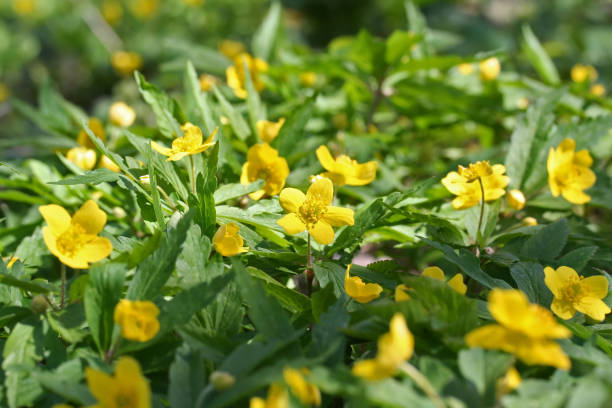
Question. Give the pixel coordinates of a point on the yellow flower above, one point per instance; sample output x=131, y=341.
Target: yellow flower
x=525, y=330
x=516, y=199
x=61, y=406
x=344, y=170
x=489, y=69
x=530, y=221
x=190, y=143
x=112, y=11
x=394, y=348
x=465, y=68
x=125, y=62
x=597, y=90
x=358, y=290
x=306, y=392
x=231, y=49
x=465, y=184
x=128, y=388
x=75, y=240
x=401, y=294
x=308, y=78
x=194, y=3
x=581, y=73
x=569, y=172
x=96, y=128
x=236, y=78
x=11, y=262
x=121, y=114
x=508, y=382
x=84, y=158
x=573, y=292
x=107, y=163
x=144, y=8
x=4, y=92
x=263, y=162
x=207, y=81
x=313, y=212
x=24, y=7
x=268, y=130
x=227, y=241
x=277, y=398
x=138, y=319
x=456, y=282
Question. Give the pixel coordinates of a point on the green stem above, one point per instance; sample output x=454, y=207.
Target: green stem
x=423, y=383
x=193, y=180
x=166, y=197
x=482, y=205
x=109, y=356
x=309, y=270
x=63, y=290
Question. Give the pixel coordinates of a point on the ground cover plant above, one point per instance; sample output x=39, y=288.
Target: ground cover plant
x=381, y=222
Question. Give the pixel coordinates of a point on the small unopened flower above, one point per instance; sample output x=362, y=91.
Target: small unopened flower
x=268, y=130
x=525, y=330
x=308, y=79
x=489, y=69
x=74, y=240
x=569, y=172
x=227, y=241
x=236, y=77
x=137, y=319
x=305, y=391
x=401, y=293
x=345, y=171
x=465, y=68
x=231, y=49
x=125, y=62
x=112, y=11
x=394, y=348
x=516, y=199
x=127, y=388
x=358, y=290
x=456, y=282
x=522, y=103
x=581, y=73
x=277, y=398
x=509, y=382
x=207, y=81
x=145, y=180
x=107, y=163
x=597, y=90
x=465, y=184
x=264, y=163
x=529, y=221
x=121, y=114
x=313, y=212
x=96, y=128
x=83, y=157
x=576, y=293
x=39, y=304
x=190, y=143
x=222, y=380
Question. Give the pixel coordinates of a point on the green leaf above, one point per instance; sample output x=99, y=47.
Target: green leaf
x=237, y=122
x=538, y=57
x=103, y=292
x=399, y=45
x=94, y=177
x=264, y=38
x=548, y=242
x=19, y=360
x=167, y=111
x=484, y=368
x=186, y=377
x=200, y=99
x=289, y=137
x=578, y=258
x=234, y=190
x=33, y=286
x=529, y=277
x=69, y=322
x=206, y=186
x=290, y=299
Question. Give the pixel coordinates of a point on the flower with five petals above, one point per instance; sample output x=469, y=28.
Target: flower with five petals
x=190, y=143
x=227, y=241
x=263, y=162
x=343, y=170
x=569, y=172
x=128, y=388
x=137, y=319
x=466, y=183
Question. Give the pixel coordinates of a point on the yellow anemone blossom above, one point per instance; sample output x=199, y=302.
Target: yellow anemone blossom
x=75, y=240
x=277, y=398
x=358, y=290
x=525, y=330
x=489, y=69
x=144, y=9
x=112, y=11
x=268, y=130
x=308, y=78
x=573, y=292
x=344, y=170
x=227, y=241
x=509, y=382
x=25, y=7
x=121, y=114
x=313, y=212
x=597, y=90
x=305, y=391
x=569, y=172
x=190, y=143
x=401, y=294
x=83, y=157
x=465, y=68
x=125, y=62
x=516, y=199
x=456, y=282
x=96, y=128
x=137, y=319
x=581, y=73
x=264, y=163
x=465, y=184
x=394, y=348
x=128, y=388
x=207, y=81
x=231, y=48
x=236, y=78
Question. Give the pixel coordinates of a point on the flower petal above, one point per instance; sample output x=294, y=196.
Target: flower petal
x=492, y=336
x=291, y=223
x=321, y=191
x=595, y=286
x=291, y=199
x=56, y=216
x=166, y=151
x=99, y=384
x=95, y=250
x=338, y=216
x=434, y=272
x=325, y=158
x=90, y=217
x=456, y=282
x=593, y=307
x=562, y=308
x=556, y=280
x=322, y=232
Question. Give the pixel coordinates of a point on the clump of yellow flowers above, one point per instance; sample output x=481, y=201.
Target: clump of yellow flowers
x=137, y=319
x=74, y=240
x=358, y=290
x=263, y=162
x=469, y=183
x=569, y=172
x=576, y=293
x=190, y=143
x=236, y=77
x=127, y=388
x=344, y=170
x=305, y=391
x=227, y=241
x=525, y=330
x=313, y=212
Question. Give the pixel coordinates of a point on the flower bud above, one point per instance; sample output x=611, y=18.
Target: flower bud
x=308, y=78
x=145, y=180
x=39, y=304
x=84, y=158
x=597, y=90
x=530, y=221
x=119, y=212
x=222, y=380
x=516, y=199
x=489, y=69
x=107, y=163
x=121, y=114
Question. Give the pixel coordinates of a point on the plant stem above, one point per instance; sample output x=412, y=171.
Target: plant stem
x=482, y=205
x=63, y=290
x=161, y=190
x=423, y=383
x=193, y=180
x=109, y=356
x=309, y=271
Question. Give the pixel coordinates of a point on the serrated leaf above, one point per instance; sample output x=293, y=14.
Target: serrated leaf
x=578, y=258
x=234, y=190
x=94, y=177
x=167, y=111
x=529, y=277
x=547, y=243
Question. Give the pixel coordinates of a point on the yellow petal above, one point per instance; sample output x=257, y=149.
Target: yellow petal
x=456, y=282
x=99, y=384
x=56, y=216
x=257, y=402
x=595, y=286
x=95, y=250
x=371, y=370
x=400, y=293
x=509, y=307
x=291, y=199
x=161, y=149
x=492, y=336
x=90, y=217
x=364, y=174
x=321, y=191
x=325, y=158
x=593, y=307
x=322, y=232
x=563, y=308
x=358, y=290
x=575, y=196
x=292, y=224
x=454, y=183
x=544, y=352
x=434, y=272
x=557, y=280
x=338, y=216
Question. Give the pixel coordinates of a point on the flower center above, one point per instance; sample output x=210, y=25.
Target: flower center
x=311, y=212
x=263, y=173
x=72, y=240
x=125, y=400
x=571, y=291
